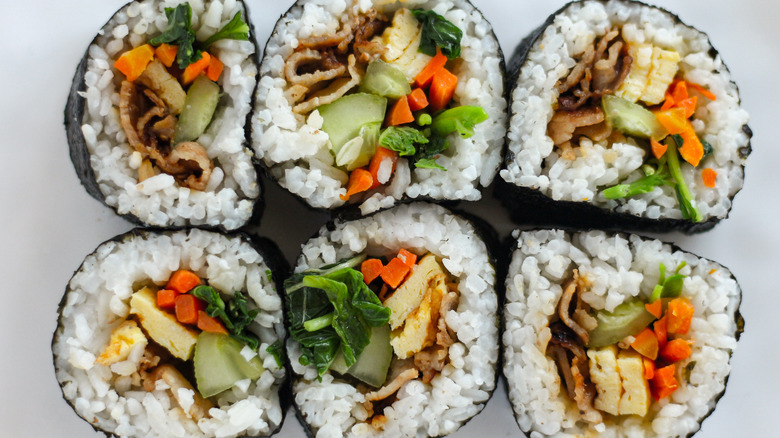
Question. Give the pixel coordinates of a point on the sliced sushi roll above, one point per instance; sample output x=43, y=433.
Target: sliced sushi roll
x=156, y=113
x=174, y=334
x=371, y=103
x=623, y=116
x=393, y=325
x=615, y=335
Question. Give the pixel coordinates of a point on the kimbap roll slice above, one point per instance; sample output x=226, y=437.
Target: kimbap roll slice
x=172, y=334
x=156, y=113
x=393, y=325
x=625, y=117
x=366, y=104
x=615, y=335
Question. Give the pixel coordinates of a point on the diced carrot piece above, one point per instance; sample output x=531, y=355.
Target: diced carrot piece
x=703, y=91
x=133, y=62
x=708, y=176
x=659, y=328
x=659, y=149
x=673, y=120
x=442, y=89
x=187, y=307
x=371, y=269
x=689, y=105
x=664, y=382
x=166, y=298
x=646, y=344
x=394, y=272
x=360, y=180
x=656, y=308
x=417, y=99
x=196, y=68
x=424, y=78
x=166, y=53
x=209, y=324
x=214, y=70
x=649, y=366
x=668, y=102
x=379, y=157
x=383, y=292
x=401, y=113
x=679, y=91
x=407, y=257
x=692, y=150
x=676, y=350
x=679, y=315
x=182, y=281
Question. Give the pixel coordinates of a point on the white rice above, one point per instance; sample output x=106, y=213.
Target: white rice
x=620, y=267
x=159, y=201
x=537, y=164
x=296, y=150
x=111, y=398
x=333, y=407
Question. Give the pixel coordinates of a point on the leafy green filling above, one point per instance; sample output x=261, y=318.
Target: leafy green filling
x=668, y=173
x=437, y=31
x=181, y=34
x=331, y=309
x=234, y=314
x=670, y=287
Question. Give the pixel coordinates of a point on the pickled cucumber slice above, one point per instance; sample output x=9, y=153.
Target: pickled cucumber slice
x=627, y=319
x=218, y=364
x=199, y=107
x=385, y=80
x=343, y=118
x=631, y=118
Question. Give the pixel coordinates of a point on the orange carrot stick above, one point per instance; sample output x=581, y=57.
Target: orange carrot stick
x=656, y=308
x=417, y=99
x=360, y=180
x=182, y=281
x=187, y=307
x=214, y=70
x=407, y=257
x=401, y=113
x=371, y=269
x=659, y=149
x=424, y=78
x=166, y=298
x=442, y=89
x=646, y=344
x=664, y=382
x=196, y=68
x=209, y=324
x=703, y=91
x=659, y=328
x=394, y=272
x=379, y=157
x=679, y=91
x=679, y=315
x=676, y=350
x=166, y=53
x=133, y=62
x=649, y=366
x=689, y=105
x=709, y=176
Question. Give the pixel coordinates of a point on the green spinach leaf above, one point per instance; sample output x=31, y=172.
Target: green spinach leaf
x=402, y=139
x=437, y=31
x=179, y=33
x=235, y=29
x=235, y=314
x=277, y=351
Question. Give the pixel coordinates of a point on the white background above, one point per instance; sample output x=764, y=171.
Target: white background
x=49, y=223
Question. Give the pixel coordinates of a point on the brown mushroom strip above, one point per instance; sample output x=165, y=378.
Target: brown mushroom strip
x=167, y=373
x=340, y=39
x=564, y=308
x=190, y=164
x=310, y=57
x=392, y=387
x=448, y=302
x=584, y=392
x=563, y=345
x=336, y=89
x=431, y=361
